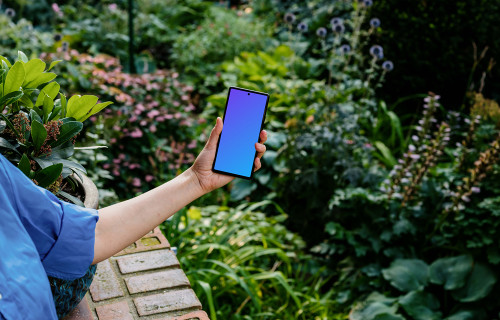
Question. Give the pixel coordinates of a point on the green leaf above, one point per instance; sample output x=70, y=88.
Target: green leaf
x=15, y=78
x=51, y=90
x=64, y=104
x=53, y=64
x=98, y=107
x=7, y=145
x=451, y=272
x=10, y=98
x=21, y=56
x=24, y=165
x=2, y=58
x=207, y=289
x=48, y=106
x=26, y=101
x=71, y=198
x=79, y=106
x=478, y=285
x=41, y=79
x=407, y=274
x=47, y=176
x=67, y=131
x=421, y=305
x=468, y=315
x=38, y=133
x=55, y=112
x=385, y=154
x=375, y=310
x=34, y=69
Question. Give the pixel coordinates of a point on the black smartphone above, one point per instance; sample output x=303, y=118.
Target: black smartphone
x=243, y=120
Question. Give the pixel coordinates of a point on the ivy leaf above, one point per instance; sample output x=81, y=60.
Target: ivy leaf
x=479, y=284
x=47, y=176
x=451, y=272
x=407, y=274
x=15, y=78
x=38, y=133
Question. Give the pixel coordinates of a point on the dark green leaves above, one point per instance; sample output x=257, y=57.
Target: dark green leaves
x=47, y=176
x=14, y=78
x=421, y=305
x=39, y=134
x=478, y=285
x=10, y=98
x=407, y=274
x=67, y=131
x=24, y=165
x=451, y=272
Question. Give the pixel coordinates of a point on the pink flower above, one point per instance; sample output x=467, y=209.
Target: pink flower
x=192, y=144
x=116, y=172
x=133, y=166
x=153, y=113
x=121, y=156
x=116, y=161
x=143, y=123
x=106, y=166
x=136, y=182
x=149, y=178
x=57, y=10
x=112, y=140
x=136, y=133
x=152, y=128
x=113, y=6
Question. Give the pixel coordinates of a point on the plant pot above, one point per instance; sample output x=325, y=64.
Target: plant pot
x=90, y=191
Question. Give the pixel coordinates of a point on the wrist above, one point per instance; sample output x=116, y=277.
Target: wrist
x=194, y=181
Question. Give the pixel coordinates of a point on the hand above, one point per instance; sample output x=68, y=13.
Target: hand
x=202, y=166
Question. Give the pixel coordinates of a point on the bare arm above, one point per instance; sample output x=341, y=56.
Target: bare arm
x=122, y=224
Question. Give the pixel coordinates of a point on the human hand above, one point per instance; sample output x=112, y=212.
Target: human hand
x=202, y=167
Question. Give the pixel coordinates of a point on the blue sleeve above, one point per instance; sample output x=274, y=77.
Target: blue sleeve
x=63, y=233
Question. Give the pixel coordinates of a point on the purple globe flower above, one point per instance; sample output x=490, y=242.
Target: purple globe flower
x=338, y=28
x=321, y=32
x=302, y=27
x=388, y=65
x=367, y=3
x=377, y=51
x=345, y=49
x=57, y=37
x=375, y=22
x=289, y=18
x=336, y=21
x=9, y=12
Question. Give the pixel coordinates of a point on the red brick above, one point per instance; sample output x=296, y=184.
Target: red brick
x=81, y=312
x=114, y=311
x=153, y=240
x=157, y=280
x=167, y=302
x=197, y=315
x=147, y=261
x=105, y=285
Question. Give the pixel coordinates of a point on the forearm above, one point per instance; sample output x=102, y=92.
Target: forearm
x=121, y=224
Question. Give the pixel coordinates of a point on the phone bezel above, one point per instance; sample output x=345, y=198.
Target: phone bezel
x=258, y=137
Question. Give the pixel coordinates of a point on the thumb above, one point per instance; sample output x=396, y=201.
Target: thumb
x=214, y=135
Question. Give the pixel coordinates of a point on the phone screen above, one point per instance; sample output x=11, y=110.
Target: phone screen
x=243, y=120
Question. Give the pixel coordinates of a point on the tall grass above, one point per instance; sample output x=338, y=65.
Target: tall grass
x=246, y=265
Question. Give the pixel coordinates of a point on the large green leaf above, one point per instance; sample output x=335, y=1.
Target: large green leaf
x=21, y=56
x=79, y=106
x=15, y=78
x=67, y=131
x=38, y=133
x=375, y=310
x=468, y=315
x=451, y=272
x=41, y=79
x=34, y=68
x=53, y=64
x=47, y=176
x=98, y=107
x=407, y=274
x=7, y=145
x=478, y=285
x=421, y=305
x=51, y=90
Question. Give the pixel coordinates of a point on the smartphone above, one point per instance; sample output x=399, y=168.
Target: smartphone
x=244, y=117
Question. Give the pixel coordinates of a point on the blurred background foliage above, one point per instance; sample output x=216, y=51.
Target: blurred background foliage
x=378, y=196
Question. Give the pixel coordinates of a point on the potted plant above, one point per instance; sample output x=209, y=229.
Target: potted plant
x=38, y=127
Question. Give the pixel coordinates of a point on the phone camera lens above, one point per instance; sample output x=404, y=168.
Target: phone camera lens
x=249, y=94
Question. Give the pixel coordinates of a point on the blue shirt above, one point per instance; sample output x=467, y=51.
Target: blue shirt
x=40, y=235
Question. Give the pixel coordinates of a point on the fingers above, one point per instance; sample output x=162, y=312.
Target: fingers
x=263, y=136
x=214, y=135
x=257, y=164
x=260, y=149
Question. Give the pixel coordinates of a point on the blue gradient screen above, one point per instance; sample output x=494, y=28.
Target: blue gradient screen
x=240, y=132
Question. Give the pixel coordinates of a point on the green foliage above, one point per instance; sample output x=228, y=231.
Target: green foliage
x=465, y=281
x=38, y=134
x=244, y=265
